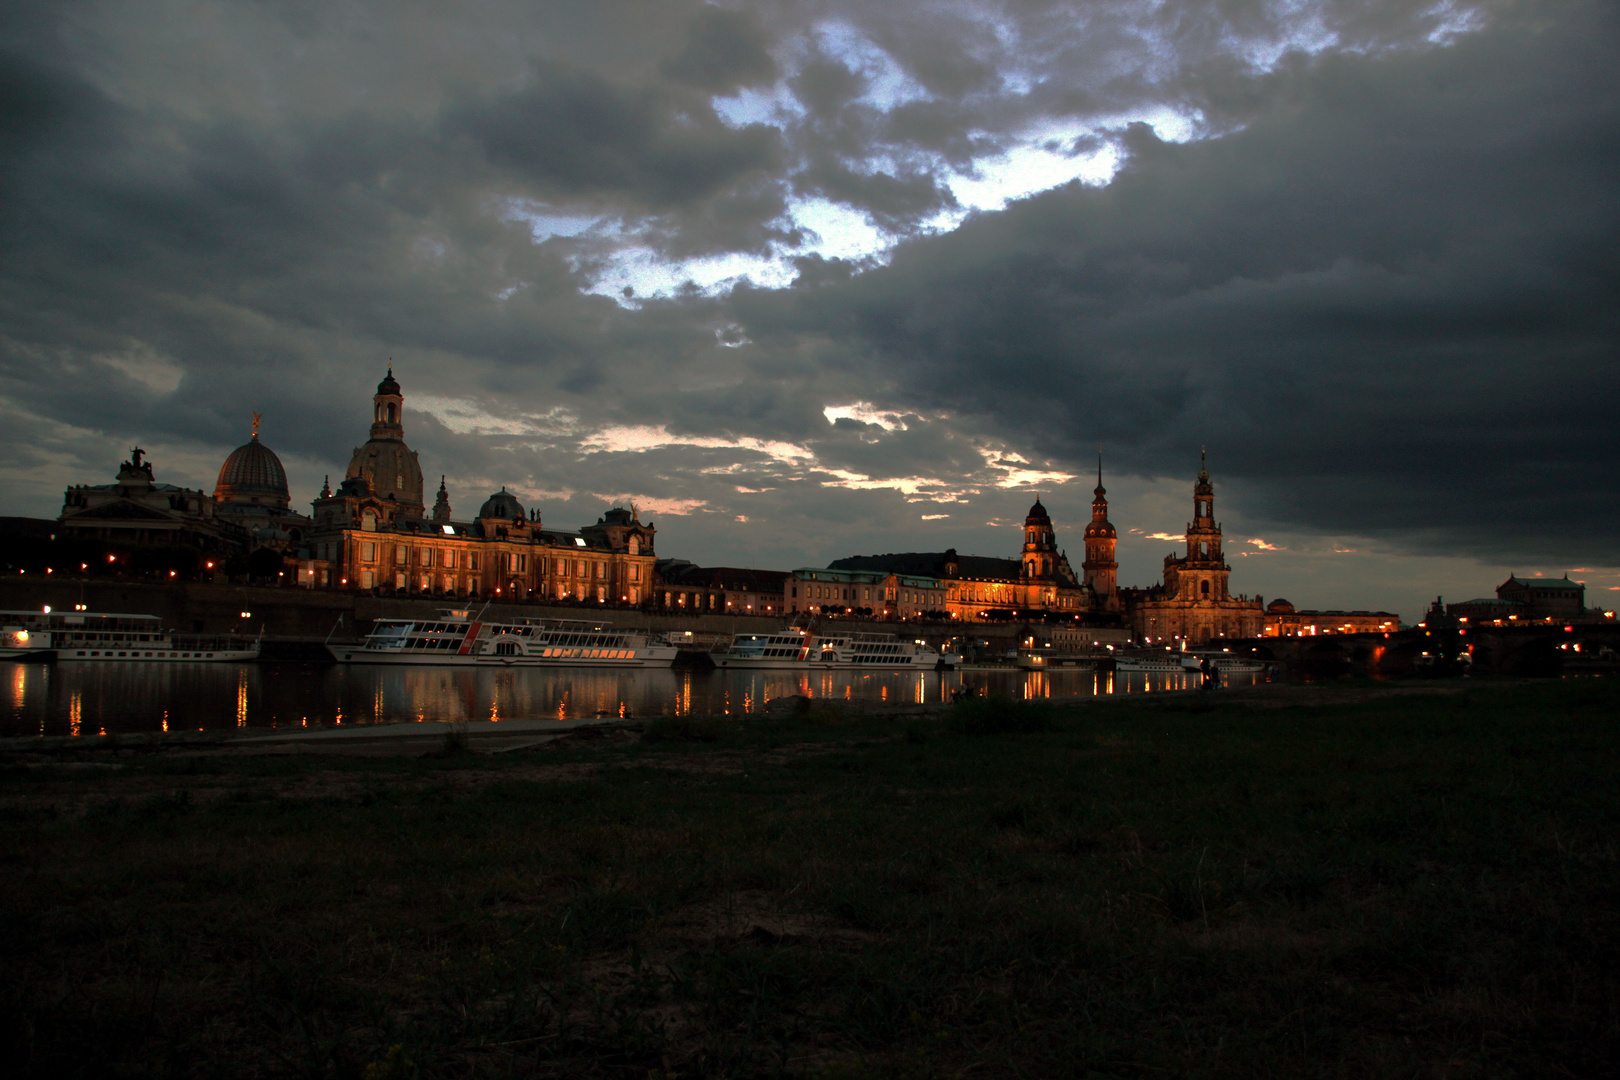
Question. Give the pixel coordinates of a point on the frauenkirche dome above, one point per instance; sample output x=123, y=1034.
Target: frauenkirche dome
x=389, y=466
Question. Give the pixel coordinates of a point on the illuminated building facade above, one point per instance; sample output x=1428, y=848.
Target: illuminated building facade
x=373, y=534
x=1528, y=600
x=683, y=586
x=1283, y=620
x=1194, y=606
x=885, y=594
x=976, y=587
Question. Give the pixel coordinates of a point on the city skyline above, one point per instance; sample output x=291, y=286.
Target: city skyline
x=807, y=281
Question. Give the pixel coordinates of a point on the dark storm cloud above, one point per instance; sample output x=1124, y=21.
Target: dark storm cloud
x=1382, y=296
x=575, y=135
x=724, y=52
x=1390, y=299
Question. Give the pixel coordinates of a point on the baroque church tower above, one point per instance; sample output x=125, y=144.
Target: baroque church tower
x=1194, y=606
x=1202, y=573
x=1100, y=571
x=1040, y=550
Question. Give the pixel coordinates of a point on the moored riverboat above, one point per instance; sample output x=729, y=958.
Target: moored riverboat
x=1047, y=660
x=100, y=637
x=1159, y=663
x=1227, y=664
x=795, y=648
x=454, y=639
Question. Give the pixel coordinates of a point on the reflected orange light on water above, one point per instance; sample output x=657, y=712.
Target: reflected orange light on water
x=151, y=698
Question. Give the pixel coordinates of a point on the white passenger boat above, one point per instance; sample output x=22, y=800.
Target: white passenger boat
x=1160, y=663
x=453, y=639
x=98, y=637
x=795, y=648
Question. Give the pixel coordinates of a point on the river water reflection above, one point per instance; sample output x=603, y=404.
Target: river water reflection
x=69, y=698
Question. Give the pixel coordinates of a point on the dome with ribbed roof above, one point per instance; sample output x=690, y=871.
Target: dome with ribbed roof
x=503, y=504
x=253, y=475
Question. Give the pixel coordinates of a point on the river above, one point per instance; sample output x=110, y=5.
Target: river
x=68, y=698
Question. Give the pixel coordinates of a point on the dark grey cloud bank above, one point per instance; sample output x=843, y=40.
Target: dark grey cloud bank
x=1379, y=280
x=1391, y=299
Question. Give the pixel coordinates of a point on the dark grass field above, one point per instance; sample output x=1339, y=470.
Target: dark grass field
x=1401, y=886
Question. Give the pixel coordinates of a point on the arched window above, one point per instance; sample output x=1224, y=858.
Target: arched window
x=1205, y=589
x=390, y=412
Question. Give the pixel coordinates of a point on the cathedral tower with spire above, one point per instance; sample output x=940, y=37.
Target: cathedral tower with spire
x=1202, y=572
x=1100, y=571
x=1194, y=605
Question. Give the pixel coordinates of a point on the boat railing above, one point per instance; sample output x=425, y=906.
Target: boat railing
x=577, y=626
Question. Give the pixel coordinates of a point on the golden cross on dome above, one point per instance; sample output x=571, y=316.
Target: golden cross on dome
x=256, y=419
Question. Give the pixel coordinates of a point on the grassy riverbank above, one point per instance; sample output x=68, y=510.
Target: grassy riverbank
x=1340, y=884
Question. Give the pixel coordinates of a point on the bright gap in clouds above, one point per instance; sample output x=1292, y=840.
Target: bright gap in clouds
x=866, y=413
x=1045, y=158
x=1048, y=154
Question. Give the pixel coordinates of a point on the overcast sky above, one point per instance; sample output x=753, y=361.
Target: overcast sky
x=810, y=279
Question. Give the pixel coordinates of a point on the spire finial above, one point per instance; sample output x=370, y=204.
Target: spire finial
x=1203, y=463
x=256, y=418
